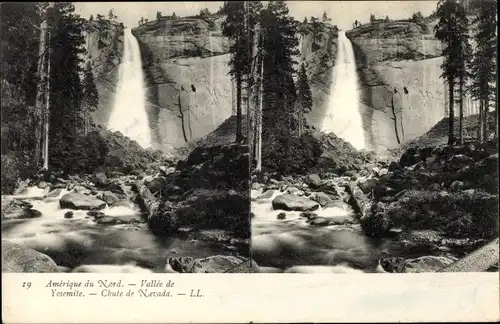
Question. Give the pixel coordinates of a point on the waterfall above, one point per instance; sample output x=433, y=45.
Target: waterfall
x=343, y=117
x=129, y=112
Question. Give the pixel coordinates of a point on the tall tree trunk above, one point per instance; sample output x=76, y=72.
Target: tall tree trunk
x=40, y=98
x=496, y=119
x=480, y=122
x=451, y=113
x=259, y=117
x=47, y=112
x=461, y=112
x=254, y=91
x=485, y=117
x=238, y=107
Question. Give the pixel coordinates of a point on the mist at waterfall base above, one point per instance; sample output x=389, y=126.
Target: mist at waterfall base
x=343, y=117
x=129, y=114
x=81, y=241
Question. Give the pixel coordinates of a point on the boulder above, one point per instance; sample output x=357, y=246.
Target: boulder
x=322, y=198
x=68, y=214
x=30, y=213
x=319, y=221
x=54, y=193
x=393, y=166
x=110, y=268
x=156, y=184
x=281, y=216
x=43, y=185
x=16, y=258
x=215, y=264
x=291, y=202
x=109, y=197
x=375, y=224
x=368, y=185
x=313, y=180
x=75, y=200
x=181, y=264
x=459, y=161
x=99, y=179
x=457, y=185
x=426, y=264
x=266, y=194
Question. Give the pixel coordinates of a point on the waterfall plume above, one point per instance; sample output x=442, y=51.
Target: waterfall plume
x=343, y=117
x=129, y=112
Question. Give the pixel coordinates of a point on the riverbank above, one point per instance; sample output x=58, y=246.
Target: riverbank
x=101, y=223
x=417, y=212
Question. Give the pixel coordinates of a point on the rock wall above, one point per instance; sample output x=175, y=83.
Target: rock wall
x=402, y=95
x=188, y=84
x=104, y=44
x=318, y=53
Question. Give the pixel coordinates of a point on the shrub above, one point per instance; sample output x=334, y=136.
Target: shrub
x=82, y=155
x=472, y=214
x=290, y=155
x=15, y=166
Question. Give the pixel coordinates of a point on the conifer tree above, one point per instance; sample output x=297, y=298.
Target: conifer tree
x=280, y=46
x=304, y=97
x=90, y=96
x=450, y=33
x=484, y=62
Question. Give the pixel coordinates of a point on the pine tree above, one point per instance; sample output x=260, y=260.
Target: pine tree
x=280, y=46
x=325, y=18
x=484, y=64
x=448, y=31
x=238, y=26
x=464, y=53
x=66, y=93
x=304, y=95
x=90, y=96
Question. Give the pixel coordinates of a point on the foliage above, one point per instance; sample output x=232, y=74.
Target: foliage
x=416, y=17
x=325, y=18
x=372, y=18
x=290, y=155
x=484, y=63
x=80, y=154
x=304, y=97
x=204, y=13
x=458, y=214
x=90, y=94
x=452, y=31
x=280, y=47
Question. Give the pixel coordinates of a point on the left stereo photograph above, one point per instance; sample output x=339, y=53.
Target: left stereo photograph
x=123, y=147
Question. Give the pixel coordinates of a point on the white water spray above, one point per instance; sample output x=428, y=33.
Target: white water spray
x=343, y=117
x=129, y=113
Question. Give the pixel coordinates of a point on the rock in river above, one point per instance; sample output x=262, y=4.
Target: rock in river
x=294, y=203
x=17, y=258
x=75, y=200
x=215, y=264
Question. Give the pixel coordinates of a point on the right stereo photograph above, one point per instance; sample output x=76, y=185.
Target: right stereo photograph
x=373, y=135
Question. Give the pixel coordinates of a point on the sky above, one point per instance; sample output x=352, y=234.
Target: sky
x=343, y=13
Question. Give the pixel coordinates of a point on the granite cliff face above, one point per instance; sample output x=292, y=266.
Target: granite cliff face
x=402, y=95
x=104, y=44
x=187, y=75
x=318, y=52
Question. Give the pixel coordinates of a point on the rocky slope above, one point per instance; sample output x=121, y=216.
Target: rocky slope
x=399, y=68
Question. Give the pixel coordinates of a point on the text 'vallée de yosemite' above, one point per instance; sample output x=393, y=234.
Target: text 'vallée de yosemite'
x=109, y=288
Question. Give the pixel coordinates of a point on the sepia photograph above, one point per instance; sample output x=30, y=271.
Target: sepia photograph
x=352, y=145
x=123, y=149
